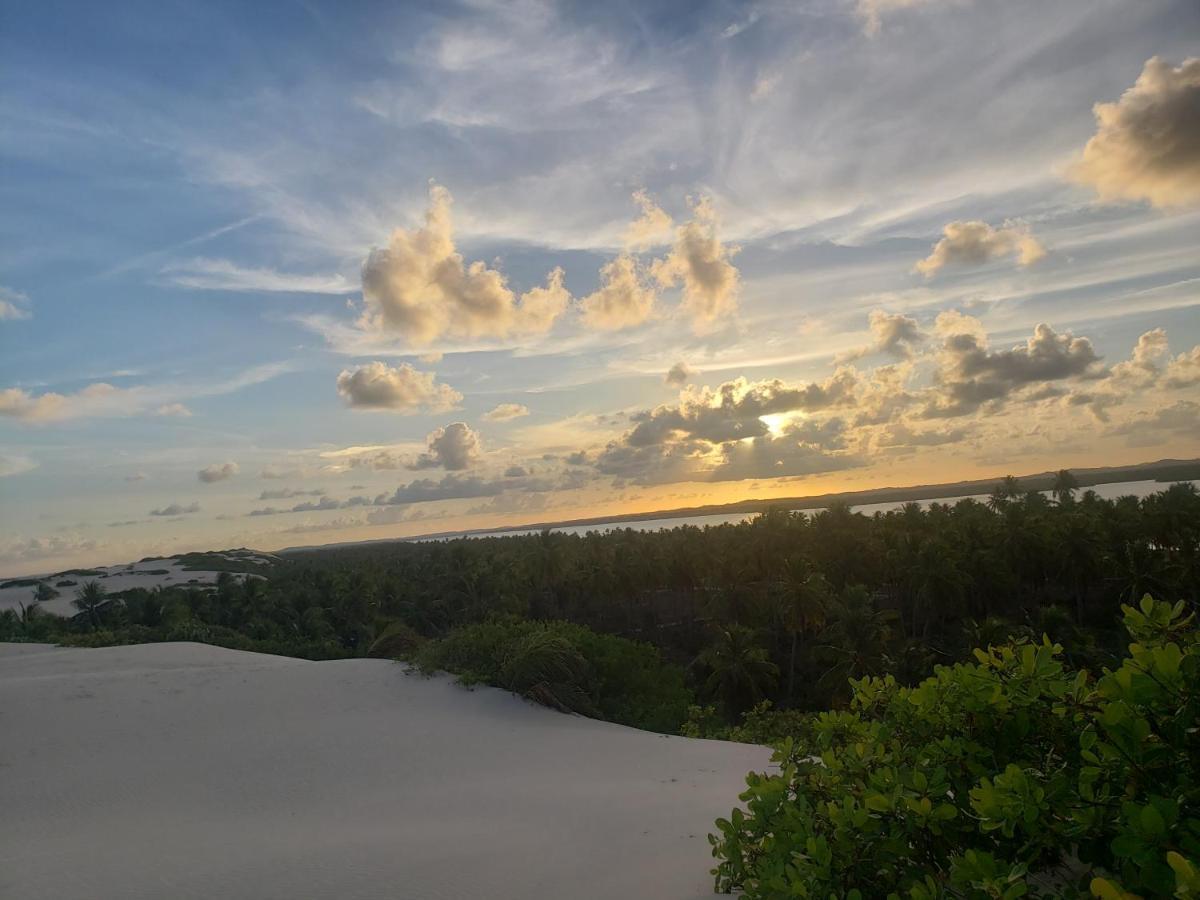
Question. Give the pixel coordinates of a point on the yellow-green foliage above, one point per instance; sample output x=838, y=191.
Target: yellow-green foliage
x=1007, y=777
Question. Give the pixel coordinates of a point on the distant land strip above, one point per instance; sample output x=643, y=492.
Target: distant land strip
x=1164, y=470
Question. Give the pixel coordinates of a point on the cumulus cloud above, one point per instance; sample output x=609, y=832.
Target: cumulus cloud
x=622, y=300
x=678, y=374
x=975, y=243
x=734, y=410
x=401, y=389
x=505, y=412
x=51, y=406
x=453, y=447
x=1147, y=144
x=174, y=410
x=217, y=472
x=651, y=228
x=970, y=374
x=720, y=434
x=894, y=334
x=176, y=509
x=702, y=263
x=449, y=487
x=1184, y=370
x=13, y=305
x=419, y=287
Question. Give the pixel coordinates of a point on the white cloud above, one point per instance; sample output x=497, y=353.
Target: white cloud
x=15, y=465
x=976, y=243
x=894, y=334
x=651, y=228
x=401, y=389
x=222, y=275
x=13, y=304
x=505, y=412
x=453, y=447
x=702, y=263
x=177, y=410
x=1147, y=144
x=623, y=299
x=419, y=287
x=871, y=12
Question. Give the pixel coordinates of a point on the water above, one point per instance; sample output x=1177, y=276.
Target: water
x=1105, y=491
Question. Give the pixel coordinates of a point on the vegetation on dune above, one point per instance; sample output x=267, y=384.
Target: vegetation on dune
x=1004, y=773
x=1010, y=776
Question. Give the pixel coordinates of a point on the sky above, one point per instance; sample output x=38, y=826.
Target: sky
x=289, y=273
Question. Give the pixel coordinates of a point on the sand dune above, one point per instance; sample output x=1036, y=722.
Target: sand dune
x=189, y=771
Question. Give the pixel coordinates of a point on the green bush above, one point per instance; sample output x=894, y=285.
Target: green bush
x=568, y=667
x=1008, y=777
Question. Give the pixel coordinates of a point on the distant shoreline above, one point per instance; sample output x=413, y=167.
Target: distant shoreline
x=1164, y=470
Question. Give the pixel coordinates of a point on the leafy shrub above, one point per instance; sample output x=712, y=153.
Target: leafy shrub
x=568, y=667
x=1007, y=777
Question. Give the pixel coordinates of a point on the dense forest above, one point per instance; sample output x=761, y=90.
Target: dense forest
x=956, y=705
x=785, y=608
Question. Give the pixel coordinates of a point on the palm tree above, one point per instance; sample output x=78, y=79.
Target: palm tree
x=1065, y=486
x=802, y=609
x=740, y=670
x=90, y=600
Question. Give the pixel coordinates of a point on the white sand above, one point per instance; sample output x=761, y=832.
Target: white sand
x=147, y=574
x=189, y=771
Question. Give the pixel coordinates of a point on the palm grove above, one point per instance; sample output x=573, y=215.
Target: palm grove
x=747, y=631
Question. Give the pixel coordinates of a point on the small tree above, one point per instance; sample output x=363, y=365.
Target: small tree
x=90, y=600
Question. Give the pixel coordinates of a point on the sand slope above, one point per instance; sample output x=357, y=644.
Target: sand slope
x=189, y=771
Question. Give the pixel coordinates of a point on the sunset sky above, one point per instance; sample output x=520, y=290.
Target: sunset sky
x=276, y=274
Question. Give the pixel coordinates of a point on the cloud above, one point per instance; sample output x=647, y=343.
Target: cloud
x=505, y=412
x=651, y=228
x=177, y=410
x=622, y=300
x=1184, y=370
x=735, y=409
x=970, y=374
x=15, y=465
x=101, y=400
x=223, y=275
x=419, y=287
x=176, y=509
x=449, y=487
x=1180, y=417
x=975, y=243
x=702, y=263
x=217, y=472
x=289, y=493
x=871, y=12
x=402, y=389
x=1147, y=144
x=28, y=549
x=13, y=305
x=453, y=447
x=678, y=374
x=894, y=334
x=136, y=476
x=720, y=434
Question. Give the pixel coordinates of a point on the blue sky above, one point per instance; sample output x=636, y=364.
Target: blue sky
x=430, y=269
